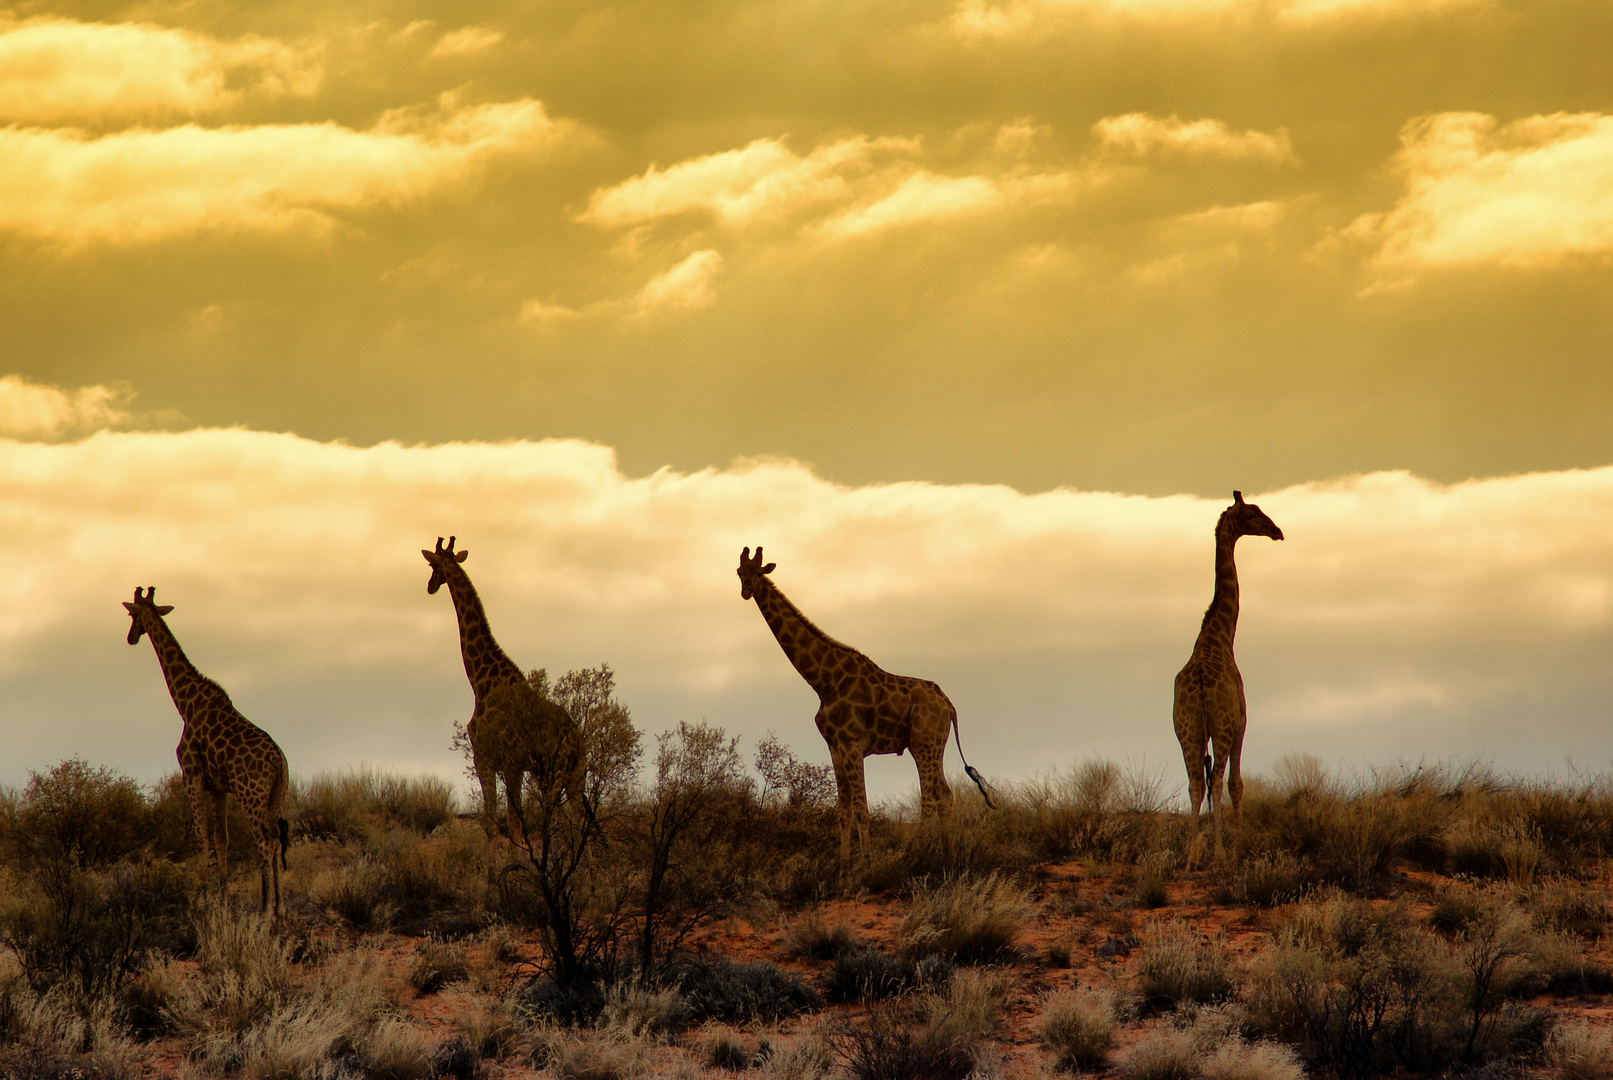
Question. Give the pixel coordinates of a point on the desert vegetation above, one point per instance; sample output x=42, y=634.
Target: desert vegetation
x=673, y=912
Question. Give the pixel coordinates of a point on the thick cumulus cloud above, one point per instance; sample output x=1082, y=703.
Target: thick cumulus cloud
x=55, y=70
x=1399, y=618
x=1536, y=192
x=31, y=411
x=141, y=185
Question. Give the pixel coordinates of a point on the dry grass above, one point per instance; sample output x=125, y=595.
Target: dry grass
x=1582, y=1051
x=965, y=919
x=1079, y=1027
x=1177, y=966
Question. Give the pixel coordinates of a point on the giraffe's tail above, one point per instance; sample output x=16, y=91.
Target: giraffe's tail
x=968, y=769
x=285, y=842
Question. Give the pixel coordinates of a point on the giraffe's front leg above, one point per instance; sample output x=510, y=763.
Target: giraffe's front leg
x=843, y=783
x=221, y=836
x=1235, y=792
x=512, y=794
x=1193, y=758
x=199, y=803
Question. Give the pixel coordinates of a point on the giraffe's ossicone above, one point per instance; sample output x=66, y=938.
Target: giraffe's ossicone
x=1210, y=711
x=221, y=753
x=863, y=709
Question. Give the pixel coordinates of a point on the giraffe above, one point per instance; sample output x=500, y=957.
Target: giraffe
x=1210, y=706
x=863, y=709
x=489, y=670
x=221, y=753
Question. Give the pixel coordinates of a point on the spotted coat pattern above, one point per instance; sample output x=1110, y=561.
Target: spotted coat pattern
x=221, y=753
x=1210, y=709
x=863, y=709
x=488, y=669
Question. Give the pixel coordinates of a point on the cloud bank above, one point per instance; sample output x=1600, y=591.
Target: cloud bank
x=1400, y=618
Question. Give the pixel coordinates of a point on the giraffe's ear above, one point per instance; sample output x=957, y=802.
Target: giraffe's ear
x=768, y=569
x=131, y=607
x=425, y=554
x=165, y=609
x=1237, y=497
x=460, y=557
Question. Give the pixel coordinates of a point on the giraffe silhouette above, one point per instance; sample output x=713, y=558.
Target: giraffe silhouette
x=1210, y=706
x=863, y=709
x=221, y=753
x=489, y=671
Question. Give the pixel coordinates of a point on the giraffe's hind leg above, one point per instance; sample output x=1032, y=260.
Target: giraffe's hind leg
x=1235, y=793
x=847, y=813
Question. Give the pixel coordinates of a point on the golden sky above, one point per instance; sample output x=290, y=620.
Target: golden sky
x=1355, y=255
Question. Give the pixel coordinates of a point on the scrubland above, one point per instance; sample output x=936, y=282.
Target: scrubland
x=676, y=916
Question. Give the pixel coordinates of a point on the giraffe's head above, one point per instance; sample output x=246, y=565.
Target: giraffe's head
x=144, y=607
x=441, y=560
x=751, y=571
x=1247, y=519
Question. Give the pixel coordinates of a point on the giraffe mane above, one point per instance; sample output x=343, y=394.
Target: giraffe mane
x=813, y=627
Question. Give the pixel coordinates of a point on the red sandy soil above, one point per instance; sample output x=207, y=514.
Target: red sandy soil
x=1080, y=907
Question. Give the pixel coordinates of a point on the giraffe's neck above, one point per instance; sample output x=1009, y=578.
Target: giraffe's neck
x=812, y=652
x=185, y=683
x=1221, y=619
x=486, y=665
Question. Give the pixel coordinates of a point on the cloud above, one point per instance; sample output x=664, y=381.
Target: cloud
x=977, y=19
x=1536, y=192
x=463, y=42
x=1397, y=610
x=29, y=410
x=686, y=286
x=925, y=198
x=143, y=185
x=55, y=70
x=1141, y=135
x=763, y=181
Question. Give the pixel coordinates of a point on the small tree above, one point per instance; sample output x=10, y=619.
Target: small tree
x=568, y=813
x=694, y=806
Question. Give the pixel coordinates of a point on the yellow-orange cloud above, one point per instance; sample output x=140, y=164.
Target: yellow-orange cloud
x=1142, y=135
x=764, y=180
x=29, y=410
x=1018, y=18
x=1533, y=193
x=55, y=70
x=143, y=185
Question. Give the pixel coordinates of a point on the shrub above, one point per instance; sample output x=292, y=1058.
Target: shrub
x=1571, y=911
x=806, y=1057
x=1176, y=967
x=1163, y=1055
x=645, y=1010
x=1236, y=1059
x=435, y=966
x=726, y=1050
x=866, y=976
x=963, y=1013
x=1269, y=880
x=1154, y=878
x=90, y=932
x=813, y=938
x=352, y=805
x=1079, y=1027
x=887, y=1047
x=966, y=919
x=75, y=815
x=745, y=992
x=1582, y=1051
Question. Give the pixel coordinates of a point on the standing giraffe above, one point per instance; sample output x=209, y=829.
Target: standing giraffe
x=863, y=709
x=1210, y=705
x=488, y=670
x=221, y=753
